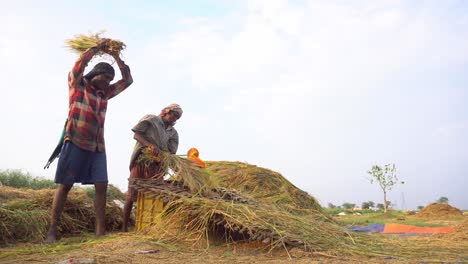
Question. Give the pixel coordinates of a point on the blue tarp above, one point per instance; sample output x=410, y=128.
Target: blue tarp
x=374, y=228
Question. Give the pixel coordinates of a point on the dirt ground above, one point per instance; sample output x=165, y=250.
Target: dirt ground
x=134, y=248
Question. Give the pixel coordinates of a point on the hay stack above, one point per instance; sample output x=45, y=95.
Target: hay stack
x=261, y=184
x=274, y=211
x=202, y=220
x=27, y=219
x=439, y=210
x=9, y=193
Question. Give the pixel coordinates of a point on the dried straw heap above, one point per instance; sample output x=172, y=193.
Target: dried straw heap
x=439, y=210
x=240, y=202
x=81, y=43
x=25, y=215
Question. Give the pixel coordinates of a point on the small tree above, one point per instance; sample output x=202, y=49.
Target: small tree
x=386, y=178
x=348, y=206
x=420, y=207
x=331, y=206
x=365, y=205
x=443, y=199
x=380, y=206
x=390, y=204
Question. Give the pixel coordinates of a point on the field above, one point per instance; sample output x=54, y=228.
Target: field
x=274, y=224
x=137, y=248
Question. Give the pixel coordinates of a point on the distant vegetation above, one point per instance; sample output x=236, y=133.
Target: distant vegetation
x=113, y=193
x=22, y=179
x=443, y=199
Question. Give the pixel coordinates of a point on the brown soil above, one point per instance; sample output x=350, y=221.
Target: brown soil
x=439, y=210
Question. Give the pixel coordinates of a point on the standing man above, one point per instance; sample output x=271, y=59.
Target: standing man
x=83, y=155
x=159, y=134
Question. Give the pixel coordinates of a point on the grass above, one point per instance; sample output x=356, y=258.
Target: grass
x=65, y=245
x=22, y=179
x=380, y=218
x=113, y=193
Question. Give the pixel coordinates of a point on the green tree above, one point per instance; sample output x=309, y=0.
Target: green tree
x=386, y=177
x=365, y=205
x=443, y=199
x=420, y=207
x=331, y=206
x=380, y=206
x=389, y=204
x=348, y=206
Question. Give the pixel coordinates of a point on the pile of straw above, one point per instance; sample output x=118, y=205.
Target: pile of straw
x=201, y=220
x=27, y=219
x=261, y=184
x=461, y=232
x=439, y=210
x=8, y=193
x=247, y=204
x=81, y=43
x=170, y=190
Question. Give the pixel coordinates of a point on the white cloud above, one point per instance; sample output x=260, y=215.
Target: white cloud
x=300, y=76
x=318, y=90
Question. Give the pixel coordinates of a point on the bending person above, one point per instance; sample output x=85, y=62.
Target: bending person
x=159, y=134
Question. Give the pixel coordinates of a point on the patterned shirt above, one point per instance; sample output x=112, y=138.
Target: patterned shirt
x=87, y=105
x=155, y=132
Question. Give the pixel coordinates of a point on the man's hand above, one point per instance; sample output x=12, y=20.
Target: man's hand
x=102, y=44
x=118, y=60
x=153, y=149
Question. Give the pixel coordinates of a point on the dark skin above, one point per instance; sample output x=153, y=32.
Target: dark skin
x=169, y=119
x=101, y=81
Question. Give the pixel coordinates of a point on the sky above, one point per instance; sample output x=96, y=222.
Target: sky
x=317, y=90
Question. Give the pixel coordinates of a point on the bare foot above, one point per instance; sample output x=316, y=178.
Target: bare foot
x=100, y=234
x=51, y=235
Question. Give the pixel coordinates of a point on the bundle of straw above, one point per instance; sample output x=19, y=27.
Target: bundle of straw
x=197, y=180
x=170, y=190
x=81, y=43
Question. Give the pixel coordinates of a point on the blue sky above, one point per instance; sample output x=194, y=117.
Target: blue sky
x=316, y=90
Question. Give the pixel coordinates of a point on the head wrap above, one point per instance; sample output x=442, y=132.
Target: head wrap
x=172, y=108
x=100, y=68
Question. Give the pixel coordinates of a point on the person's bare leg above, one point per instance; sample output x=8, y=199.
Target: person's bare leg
x=57, y=207
x=100, y=207
x=126, y=213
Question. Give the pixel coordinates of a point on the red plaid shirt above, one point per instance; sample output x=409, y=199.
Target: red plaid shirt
x=87, y=110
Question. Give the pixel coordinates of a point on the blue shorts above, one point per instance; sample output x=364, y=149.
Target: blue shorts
x=79, y=165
